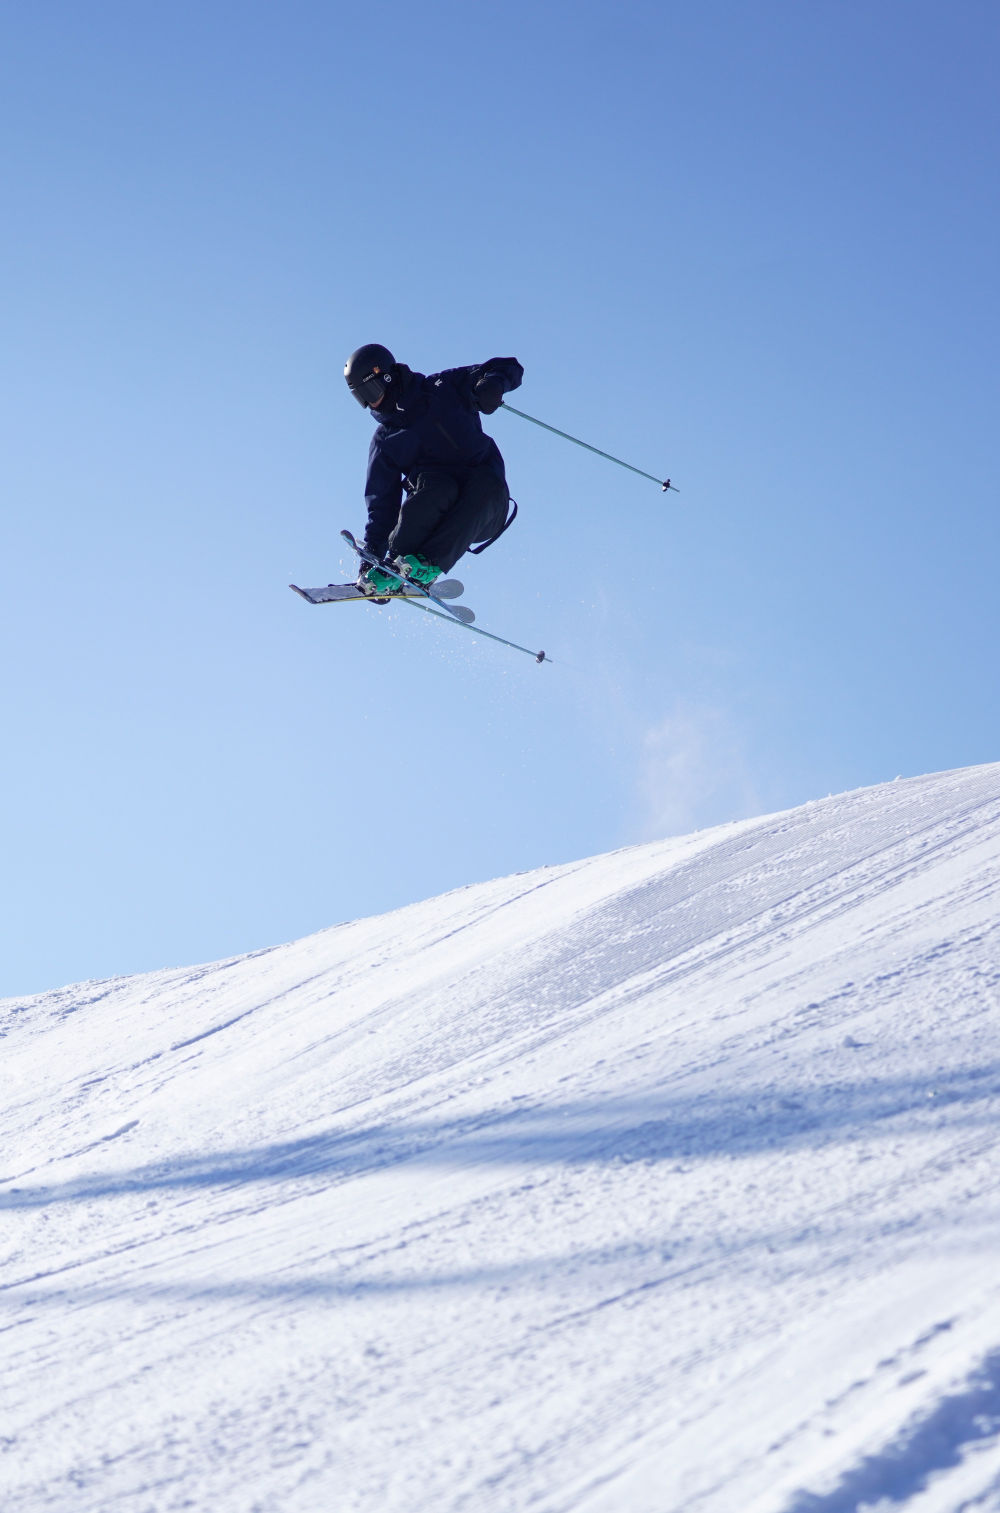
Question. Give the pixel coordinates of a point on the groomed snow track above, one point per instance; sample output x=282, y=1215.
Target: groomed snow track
x=665, y=1181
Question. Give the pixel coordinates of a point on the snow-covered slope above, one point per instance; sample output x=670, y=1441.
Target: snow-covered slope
x=665, y=1181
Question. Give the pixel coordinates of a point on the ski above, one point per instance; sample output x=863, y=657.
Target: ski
x=347, y=593
x=446, y=611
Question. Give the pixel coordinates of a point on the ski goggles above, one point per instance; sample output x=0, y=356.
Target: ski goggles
x=369, y=389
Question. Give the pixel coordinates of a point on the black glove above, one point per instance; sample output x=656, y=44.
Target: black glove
x=488, y=392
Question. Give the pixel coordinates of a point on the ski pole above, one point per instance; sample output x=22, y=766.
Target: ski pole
x=665, y=484
x=477, y=630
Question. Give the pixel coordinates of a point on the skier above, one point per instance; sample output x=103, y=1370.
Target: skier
x=436, y=481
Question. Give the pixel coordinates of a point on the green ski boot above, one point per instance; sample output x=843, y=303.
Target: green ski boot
x=381, y=583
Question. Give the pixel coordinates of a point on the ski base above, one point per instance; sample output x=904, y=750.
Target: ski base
x=345, y=593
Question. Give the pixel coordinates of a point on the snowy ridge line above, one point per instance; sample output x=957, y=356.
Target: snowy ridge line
x=681, y=965
x=536, y=1041
x=670, y=969
x=757, y=923
x=65, y=1001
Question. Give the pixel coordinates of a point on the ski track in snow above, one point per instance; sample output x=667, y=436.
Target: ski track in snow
x=666, y=1181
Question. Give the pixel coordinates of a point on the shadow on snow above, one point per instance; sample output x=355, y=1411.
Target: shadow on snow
x=650, y=1129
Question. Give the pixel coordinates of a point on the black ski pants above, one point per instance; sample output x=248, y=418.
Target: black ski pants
x=444, y=515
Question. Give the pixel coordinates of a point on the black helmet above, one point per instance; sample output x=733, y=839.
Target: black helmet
x=368, y=372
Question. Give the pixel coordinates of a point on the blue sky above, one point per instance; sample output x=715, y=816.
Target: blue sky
x=754, y=247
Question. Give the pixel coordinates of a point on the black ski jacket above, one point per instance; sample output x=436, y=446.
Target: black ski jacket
x=431, y=422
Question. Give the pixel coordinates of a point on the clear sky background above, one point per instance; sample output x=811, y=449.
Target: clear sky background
x=753, y=246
